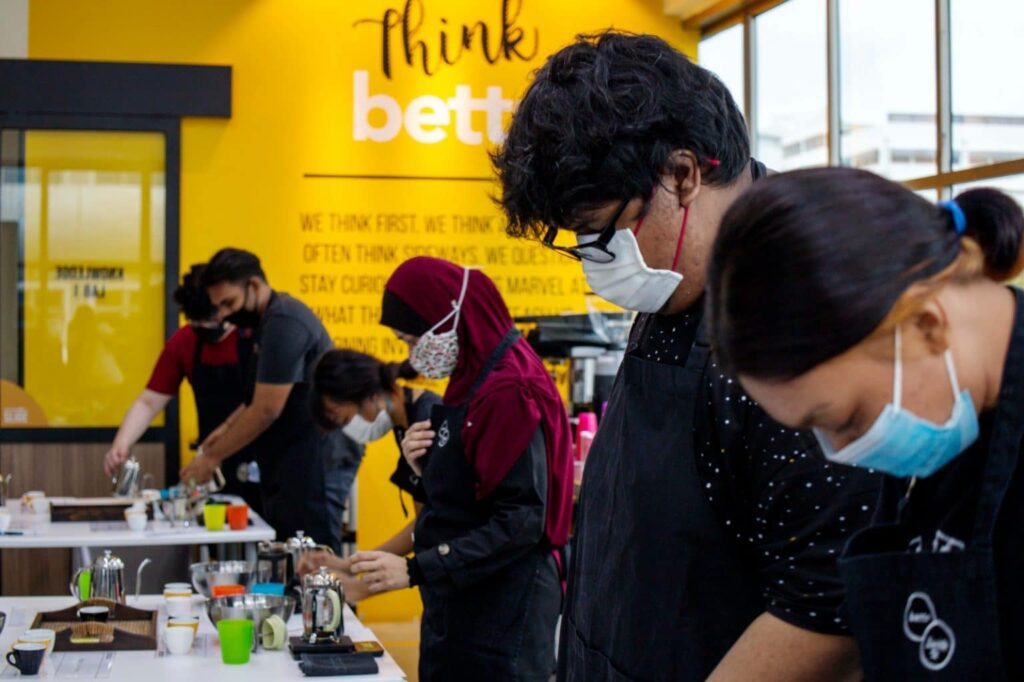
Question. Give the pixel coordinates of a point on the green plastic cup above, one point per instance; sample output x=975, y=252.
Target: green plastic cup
x=84, y=585
x=235, y=640
x=213, y=516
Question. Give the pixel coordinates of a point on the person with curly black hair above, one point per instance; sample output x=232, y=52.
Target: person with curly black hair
x=211, y=355
x=706, y=534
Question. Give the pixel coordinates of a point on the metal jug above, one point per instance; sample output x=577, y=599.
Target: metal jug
x=301, y=544
x=323, y=602
x=107, y=580
x=127, y=483
x=5, y=488
x=274, y=563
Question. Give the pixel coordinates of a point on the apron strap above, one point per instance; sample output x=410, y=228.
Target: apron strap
x=1007, y=435
x=510, y=337
x=701, y=348
x=196, y=352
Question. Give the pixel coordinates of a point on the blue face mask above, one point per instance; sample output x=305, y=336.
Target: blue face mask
x=902, y=444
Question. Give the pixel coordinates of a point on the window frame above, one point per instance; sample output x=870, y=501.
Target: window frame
x=722, y=16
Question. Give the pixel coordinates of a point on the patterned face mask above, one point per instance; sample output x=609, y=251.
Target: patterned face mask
x=436, y=354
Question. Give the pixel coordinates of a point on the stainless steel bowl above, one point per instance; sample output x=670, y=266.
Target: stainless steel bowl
x=254, y=607
x=206, y=575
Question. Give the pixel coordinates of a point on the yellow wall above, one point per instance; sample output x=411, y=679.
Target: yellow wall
x=295, y=68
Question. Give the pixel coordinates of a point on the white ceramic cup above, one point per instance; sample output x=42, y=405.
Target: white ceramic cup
x=178, y=607
x=177, y=589
x=179, y=640
x=5, y=520
x=40, y=505
x=39, y=636
x=150, y=495
x=184, y=621
x=136, y=520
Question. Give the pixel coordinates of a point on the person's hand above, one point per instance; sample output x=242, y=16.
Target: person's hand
x=115, y=457
x=355, y=590
x=199, y=470
x=310, y=562
x=380, y=571
x=417, y=441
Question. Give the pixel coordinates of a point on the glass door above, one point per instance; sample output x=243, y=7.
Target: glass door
x=82, y=249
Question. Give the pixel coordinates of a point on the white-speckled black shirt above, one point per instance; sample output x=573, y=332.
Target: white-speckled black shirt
x=789, y=509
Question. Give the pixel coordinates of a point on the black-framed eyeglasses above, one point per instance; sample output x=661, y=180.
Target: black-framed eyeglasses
x=595, y=251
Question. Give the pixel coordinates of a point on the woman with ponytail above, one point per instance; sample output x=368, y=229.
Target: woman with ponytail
x=361, y=395
x=847, y=304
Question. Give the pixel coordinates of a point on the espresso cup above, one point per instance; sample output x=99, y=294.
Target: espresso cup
x=177, y=590
x=136, y=520
x=27, y=657
x=183, y=622
x=43, y=636
x=179, y=640
x=99, y=614
x=178, y=607
x=40, y=505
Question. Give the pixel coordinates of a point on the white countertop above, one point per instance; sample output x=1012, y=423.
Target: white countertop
x=203, y=663
x=39, y=532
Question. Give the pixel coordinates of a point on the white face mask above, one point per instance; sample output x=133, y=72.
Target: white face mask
x=626, y=280
x=362, y=431
x=435, y=355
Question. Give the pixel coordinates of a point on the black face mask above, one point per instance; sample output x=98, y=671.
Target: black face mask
x=209, y=334
x=244, y=317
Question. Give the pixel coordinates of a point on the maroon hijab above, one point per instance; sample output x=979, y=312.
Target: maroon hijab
x=518, y=395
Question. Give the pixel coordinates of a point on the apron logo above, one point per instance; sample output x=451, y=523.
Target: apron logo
x=443, y=434
x=922, y=625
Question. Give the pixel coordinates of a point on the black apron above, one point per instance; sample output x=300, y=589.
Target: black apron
x=657, y=590
x=218, y=391
x=293, y=469
x=403, y=477
x=502, y=627
x=935, y=615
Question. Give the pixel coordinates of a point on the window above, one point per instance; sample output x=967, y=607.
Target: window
x=987, y=100
x=791, y=107
x=722, y=53
x=82, y=298
x=887, y=87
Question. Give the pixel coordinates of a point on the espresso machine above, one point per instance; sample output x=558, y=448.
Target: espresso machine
x=593, y=344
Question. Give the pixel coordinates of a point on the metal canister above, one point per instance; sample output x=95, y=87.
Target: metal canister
x=274, y=563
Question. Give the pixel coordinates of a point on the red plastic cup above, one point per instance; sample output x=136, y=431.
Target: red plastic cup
x=227, y=590
x=238, y=516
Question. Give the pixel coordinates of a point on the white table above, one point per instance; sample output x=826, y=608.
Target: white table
x=38, y=532
x=203, y=663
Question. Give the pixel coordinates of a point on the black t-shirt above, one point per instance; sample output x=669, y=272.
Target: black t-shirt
x=290, y=340
x=940, y=512
x=417, y=410
x=788, y=509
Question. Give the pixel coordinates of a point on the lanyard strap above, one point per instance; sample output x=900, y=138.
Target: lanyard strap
x=510, y=337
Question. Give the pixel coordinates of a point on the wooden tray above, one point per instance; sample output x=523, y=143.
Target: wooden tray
x=133, y=629
x=93, y=509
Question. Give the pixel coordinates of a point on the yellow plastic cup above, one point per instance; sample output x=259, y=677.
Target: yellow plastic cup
x=213, y=516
